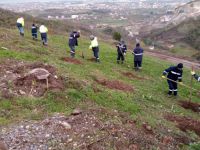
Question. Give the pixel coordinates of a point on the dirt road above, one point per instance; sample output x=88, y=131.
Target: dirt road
x=176, y=60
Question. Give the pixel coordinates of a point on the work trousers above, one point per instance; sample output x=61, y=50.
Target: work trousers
x=120, y=56
x=44, y=38
x=72, y=51
x=173, y=87
x=21, y=29
x=96, y=53
x=34, y=35
x=138, y=64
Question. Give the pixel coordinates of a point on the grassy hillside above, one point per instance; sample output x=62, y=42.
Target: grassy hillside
x=131, y=107
x=148, y=102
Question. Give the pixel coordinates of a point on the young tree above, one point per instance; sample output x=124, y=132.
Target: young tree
x=117, y=36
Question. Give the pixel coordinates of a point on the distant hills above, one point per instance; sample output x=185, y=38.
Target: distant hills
x=183, y=25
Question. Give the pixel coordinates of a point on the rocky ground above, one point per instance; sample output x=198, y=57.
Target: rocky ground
x=90, y=128
x=20, y=78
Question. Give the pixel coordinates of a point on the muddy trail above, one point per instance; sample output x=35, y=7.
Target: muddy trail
x=176, y=60
x=89, y=129
x=185, y=123
x=19, y=78
x=190, y=105
x=71, y=60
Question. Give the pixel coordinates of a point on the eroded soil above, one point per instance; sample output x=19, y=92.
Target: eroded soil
x=190, y=105
x=93, y=128
x=72, y=60
x=185, y=123
x=115, y=84
x=18, y=78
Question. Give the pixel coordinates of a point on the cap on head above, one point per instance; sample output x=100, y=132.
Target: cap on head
x=122, y=41
x=138, y=45
x=180, y=66
x=91, y=37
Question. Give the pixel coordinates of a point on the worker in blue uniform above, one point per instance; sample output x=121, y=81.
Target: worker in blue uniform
x=173, y=73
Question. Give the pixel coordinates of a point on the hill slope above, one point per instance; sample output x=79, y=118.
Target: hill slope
x=120, y=108
x=182, y=39
x=177, y=31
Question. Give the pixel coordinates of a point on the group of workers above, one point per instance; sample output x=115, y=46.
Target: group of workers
x=173, y=73
x=42, y=29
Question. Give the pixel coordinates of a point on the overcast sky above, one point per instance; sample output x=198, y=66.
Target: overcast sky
x=23, y=1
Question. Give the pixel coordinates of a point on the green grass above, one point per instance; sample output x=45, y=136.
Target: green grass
x=183, y=49
x=148, y=103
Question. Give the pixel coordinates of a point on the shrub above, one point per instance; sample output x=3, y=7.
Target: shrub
x=117, y=36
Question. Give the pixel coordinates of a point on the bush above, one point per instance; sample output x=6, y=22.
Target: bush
x=117, y=36
x=193, y=38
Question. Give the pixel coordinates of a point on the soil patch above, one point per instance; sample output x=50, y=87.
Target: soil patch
x=185, y=123
x=190, y=105
x=115, y=84
x=93, y=129
x=131, y=75
x=92, y=59
x=19, y=78
x=72, y=60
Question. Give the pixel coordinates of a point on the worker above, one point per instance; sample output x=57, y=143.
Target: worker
x=94, y=46
x=121, y=51
x=195, y=76
x=73, y=42
x=20, y=25
x=43, y=31
x=138, y=55
x=173, y=73
x=34, y=31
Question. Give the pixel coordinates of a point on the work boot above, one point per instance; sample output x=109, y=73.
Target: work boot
x=169, y=95
x=139, y=68
x=22, y=34
x=72, y=55
x=118, y=61
x=98, y=60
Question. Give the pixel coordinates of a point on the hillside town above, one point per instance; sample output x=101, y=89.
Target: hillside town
x=102, y=14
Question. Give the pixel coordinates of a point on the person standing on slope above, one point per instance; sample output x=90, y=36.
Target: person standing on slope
x=73, y=42
x=43, y=31
x=34, y=31
x=121, y=51
x=173, y=73
x=195, y=76
x=20, y=25
x=138, y=55
x=94, y=46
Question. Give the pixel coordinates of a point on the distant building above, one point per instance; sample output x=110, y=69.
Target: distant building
x=49, y=17
x=74, y=16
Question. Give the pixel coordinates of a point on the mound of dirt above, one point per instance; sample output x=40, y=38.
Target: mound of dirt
x=72, y=60
x=19, y=78
x=51, y=69
x=185, y=123
x=115, y=84
x=93, y=129
x=131, y=75
x=190, y=105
